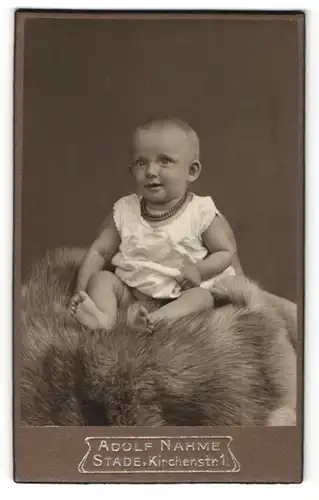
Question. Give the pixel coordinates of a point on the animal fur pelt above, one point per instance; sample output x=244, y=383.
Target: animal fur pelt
x=233, y=365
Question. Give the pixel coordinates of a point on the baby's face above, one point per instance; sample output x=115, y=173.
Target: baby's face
x=162, y=163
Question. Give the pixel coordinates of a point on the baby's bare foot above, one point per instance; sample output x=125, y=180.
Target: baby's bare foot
x=85, y=312
x=139, y=318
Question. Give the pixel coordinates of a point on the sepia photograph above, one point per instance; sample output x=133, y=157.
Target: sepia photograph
x=159, y=205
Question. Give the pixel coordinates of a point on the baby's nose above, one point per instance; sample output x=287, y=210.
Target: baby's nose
x=151, y=169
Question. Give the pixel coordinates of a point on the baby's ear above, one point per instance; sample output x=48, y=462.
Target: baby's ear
x=194, y=170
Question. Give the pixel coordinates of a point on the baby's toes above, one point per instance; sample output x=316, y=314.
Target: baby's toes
x=150, y=320
x=73, y=305
x=150, y=323
x=143, y=313
x=75, y=300
x=73, y=310
x=149, y=327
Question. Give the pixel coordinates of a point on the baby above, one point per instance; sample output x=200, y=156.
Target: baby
x=165, y=242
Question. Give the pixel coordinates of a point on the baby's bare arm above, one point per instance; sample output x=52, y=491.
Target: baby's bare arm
x=99, y=254
x=221, y=250
x=230, y=234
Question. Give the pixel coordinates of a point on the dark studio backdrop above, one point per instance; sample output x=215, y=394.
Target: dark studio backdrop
x=88, y=83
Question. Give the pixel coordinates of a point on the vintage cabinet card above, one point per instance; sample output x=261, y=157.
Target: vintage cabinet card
x=158, y=246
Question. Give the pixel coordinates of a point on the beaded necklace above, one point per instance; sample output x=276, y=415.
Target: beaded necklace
x=166, y=215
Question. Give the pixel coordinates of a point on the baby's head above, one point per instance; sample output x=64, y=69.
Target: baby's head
x=165, y=159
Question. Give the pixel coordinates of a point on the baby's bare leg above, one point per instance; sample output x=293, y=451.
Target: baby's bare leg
x=193, y=300
x=98, y=307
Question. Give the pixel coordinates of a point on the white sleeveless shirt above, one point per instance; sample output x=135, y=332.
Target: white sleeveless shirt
x=149, y=258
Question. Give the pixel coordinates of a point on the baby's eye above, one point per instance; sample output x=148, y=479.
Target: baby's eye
x=165, y=161
x=140, y=163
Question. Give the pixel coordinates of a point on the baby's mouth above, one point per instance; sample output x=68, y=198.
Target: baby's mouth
x=153, y=185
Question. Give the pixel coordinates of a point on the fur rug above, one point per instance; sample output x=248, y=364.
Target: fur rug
x=233, y=365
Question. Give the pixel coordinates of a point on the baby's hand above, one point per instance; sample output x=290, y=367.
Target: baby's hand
x=189, y=276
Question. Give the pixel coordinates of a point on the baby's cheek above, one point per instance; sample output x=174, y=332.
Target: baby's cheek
x=138, y=177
